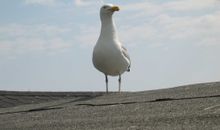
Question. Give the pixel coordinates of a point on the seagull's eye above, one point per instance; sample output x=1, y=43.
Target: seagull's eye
x=104, y=7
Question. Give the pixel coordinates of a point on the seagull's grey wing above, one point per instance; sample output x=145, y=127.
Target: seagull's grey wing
x=125, y=53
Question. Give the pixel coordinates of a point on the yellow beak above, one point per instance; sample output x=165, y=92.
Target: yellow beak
x=115, y=8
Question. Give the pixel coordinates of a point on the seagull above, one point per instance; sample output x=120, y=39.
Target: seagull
x=109, y=56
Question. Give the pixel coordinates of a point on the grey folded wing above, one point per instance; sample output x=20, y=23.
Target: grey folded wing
x=125, y=53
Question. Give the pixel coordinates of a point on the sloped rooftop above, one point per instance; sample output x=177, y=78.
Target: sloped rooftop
x=186, y=107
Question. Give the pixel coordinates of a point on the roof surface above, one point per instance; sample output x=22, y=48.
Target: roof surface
x=185, y=107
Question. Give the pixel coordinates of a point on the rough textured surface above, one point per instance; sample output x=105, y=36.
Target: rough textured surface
x=186, y=107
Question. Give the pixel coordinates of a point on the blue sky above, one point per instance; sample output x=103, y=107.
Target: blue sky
x=46, y=45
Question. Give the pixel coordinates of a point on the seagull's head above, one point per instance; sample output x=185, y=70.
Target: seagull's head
x=108, y=9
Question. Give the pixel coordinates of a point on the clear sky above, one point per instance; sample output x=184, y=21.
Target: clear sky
x=47, y=44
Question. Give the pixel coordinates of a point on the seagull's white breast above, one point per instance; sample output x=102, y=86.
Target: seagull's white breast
x=108, y=58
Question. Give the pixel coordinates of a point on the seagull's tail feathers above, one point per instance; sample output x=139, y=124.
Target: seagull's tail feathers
x=125, y=53
x=128, y=70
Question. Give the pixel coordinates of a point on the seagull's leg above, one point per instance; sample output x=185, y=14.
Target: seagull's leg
x=119, y=83
x=106, y=82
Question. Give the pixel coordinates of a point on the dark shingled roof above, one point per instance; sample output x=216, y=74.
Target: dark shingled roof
x=185, y=107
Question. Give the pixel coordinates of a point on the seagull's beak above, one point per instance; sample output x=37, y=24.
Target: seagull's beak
x=115, y=8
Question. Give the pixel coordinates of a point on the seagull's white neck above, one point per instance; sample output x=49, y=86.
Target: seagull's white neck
x=108, y=30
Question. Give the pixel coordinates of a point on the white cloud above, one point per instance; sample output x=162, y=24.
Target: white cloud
x=88, y=35
x=82, y=2
x=190, y=5
x=178, y=6
x=203, y=30
x=195, y=30
x=17, y=38
x=41, y=2
x=56, y=2
x=197, y=22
